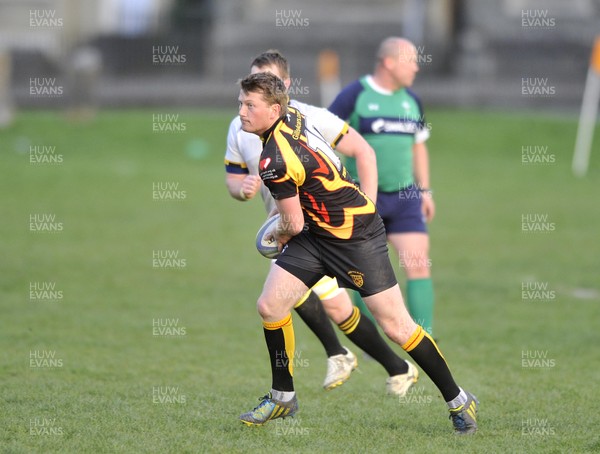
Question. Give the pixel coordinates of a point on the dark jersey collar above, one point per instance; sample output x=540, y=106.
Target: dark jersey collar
x=265, y=135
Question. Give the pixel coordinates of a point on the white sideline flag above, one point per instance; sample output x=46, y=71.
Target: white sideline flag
x=589, y=112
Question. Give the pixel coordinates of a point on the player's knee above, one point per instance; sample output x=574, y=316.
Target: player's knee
x=264, y=308
x=391, y=330
x=398, y=331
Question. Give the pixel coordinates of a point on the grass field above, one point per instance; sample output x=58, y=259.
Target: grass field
x=129, y=323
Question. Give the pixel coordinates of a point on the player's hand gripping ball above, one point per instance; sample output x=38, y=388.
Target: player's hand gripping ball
x=265, y=240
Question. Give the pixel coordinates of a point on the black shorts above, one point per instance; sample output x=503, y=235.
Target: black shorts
x=362, y=265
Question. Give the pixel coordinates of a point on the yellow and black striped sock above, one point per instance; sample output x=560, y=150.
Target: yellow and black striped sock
x=311, y=311
x=279, y=337
x=363, y=333
x=423, y=349
x=350, y=324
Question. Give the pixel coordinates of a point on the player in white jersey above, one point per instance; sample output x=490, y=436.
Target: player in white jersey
x=241, y=166
x=243, y=147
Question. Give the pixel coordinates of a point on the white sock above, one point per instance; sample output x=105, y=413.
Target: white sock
x=459, y=400
x=282, y=396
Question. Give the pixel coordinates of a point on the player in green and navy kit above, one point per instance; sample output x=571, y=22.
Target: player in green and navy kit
x=390, y=117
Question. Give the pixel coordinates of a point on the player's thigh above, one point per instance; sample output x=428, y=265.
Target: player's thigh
x=413, y=253
x=390, y=312
x=281, y=291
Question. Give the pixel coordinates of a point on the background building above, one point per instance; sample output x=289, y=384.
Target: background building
x=191, y=52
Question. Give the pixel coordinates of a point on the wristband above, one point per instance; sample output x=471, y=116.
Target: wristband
x=242, y=194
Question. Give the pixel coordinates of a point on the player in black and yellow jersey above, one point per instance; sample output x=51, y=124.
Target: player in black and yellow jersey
x=327, y=227
x=325, y=301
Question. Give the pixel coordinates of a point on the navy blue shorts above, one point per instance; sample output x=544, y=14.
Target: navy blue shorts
x=401, y=211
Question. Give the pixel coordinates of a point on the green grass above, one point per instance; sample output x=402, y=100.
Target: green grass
x=101, y=397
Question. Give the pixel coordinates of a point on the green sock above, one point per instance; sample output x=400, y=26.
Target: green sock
x=358, y=302
x=419, y=300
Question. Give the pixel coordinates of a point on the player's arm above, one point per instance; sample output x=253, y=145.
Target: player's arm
x=366, y=166
x=355, y=146
x=242, y=186
x=291, y=221
x=421, y=171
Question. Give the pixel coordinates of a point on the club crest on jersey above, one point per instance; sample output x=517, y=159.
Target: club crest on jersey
x=357, y=278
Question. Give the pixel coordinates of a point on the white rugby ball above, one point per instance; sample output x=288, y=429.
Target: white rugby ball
x=265, y=243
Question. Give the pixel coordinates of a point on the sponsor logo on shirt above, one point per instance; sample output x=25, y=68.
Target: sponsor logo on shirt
x=394, y=126
x=264, y=163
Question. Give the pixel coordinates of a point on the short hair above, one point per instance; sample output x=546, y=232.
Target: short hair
x=272, y=88
x=393, y=46
x=273, y=57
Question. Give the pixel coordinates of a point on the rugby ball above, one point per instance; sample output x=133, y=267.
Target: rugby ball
x=265, y=243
